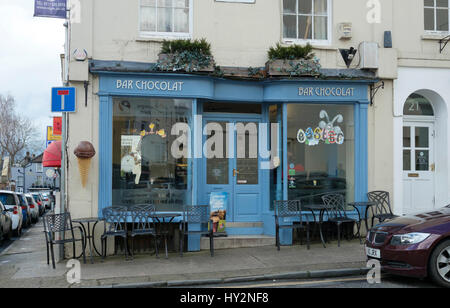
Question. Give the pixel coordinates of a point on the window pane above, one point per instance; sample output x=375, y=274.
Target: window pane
x=442, y=3
x=148, y=3
x=320, y=28
x=247, y=161
x=417, y=105
x=305, y=6
x=181, y=3
x=320, y=7
x=217, y=167
x=290, y=6
x=145, y=169
x=182, y=20
x=429, y=2
x=148, y=19
x=407, y=160
x=422, y=160
x=290, y=26
x=320, y=156
x=429, y=19
x=442, y=20
x=422, y=137
x=305, y=27
x=406, y=137
x=165, y=3
x=165, y=20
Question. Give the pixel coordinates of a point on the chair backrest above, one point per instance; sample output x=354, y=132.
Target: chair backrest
x=288, y=208
x=382, y=200
x=335, y=204
x=115, y=219
x=196, y=214
x=141, y=216
x=57, y=222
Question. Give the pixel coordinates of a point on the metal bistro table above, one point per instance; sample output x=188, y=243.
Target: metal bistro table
x=89, y=237
x=364, y=204
x=321, y=208
x=161, y=220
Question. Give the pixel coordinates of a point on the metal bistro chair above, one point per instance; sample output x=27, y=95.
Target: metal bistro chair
x=197, y=214
x=115, y=219
x=60, y=223
x=382, y=208
x=335, y=208
x=143, y=224
x=289, y=209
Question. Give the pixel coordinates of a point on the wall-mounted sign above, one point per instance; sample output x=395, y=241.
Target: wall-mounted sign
x=63, y=99
x=50, y=8
x=51, y=136
x=57, y=126
x=80, y=54
x=326, y=132
x=150, y=85
x=326, y=91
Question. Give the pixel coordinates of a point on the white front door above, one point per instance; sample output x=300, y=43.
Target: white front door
x=418, y=167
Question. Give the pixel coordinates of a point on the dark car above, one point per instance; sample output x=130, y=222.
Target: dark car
x=5, y=223
x=416, y=246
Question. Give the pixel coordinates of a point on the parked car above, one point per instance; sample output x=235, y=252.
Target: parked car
x=46, y=200
x=26, y=211
x=5, y=224
x=34, y=208
x=416, y=246
x=38, y=199
x=11, y=202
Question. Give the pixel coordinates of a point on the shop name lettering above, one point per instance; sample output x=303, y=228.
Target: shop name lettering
x=149, y=85
x=343, y=92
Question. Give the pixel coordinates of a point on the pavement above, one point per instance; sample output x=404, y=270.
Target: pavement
x=24, y=264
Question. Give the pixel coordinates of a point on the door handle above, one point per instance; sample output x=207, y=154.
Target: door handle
x=433, y=167
x=235, y=172
x=413, y=175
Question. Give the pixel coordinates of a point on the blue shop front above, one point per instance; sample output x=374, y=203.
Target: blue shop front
x=174, y=139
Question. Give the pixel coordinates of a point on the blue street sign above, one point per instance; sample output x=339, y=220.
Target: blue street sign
x=63, y=99
x=50, y=8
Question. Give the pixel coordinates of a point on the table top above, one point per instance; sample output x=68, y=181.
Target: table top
x=86, y=219
x=165, y=215
x=363, y=203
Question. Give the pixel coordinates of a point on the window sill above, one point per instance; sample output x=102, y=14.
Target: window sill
x=159, y=38
x=323, y=45
x=434, y=36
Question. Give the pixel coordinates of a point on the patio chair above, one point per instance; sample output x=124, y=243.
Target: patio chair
x=335, y=209
x=61, y=223
x=115, y=219
x=289, y=209
x=142, y=224
x=382, y=210
x=196, y=215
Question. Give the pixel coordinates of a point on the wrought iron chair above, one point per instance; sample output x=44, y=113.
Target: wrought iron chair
x=143, y=224
x=61, y=223
x=335, y=209
x=382, y=210
x=196, y=215
x=289, y=209
x=115, y=219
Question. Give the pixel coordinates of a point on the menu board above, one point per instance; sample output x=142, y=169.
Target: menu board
x=218, y=203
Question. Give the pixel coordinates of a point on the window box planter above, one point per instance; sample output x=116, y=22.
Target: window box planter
x=186, y=62
x=296, y=67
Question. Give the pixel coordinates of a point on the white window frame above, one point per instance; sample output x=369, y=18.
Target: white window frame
x=39, y=168
x=435, y=8
x=326, y=42
x=167, y=35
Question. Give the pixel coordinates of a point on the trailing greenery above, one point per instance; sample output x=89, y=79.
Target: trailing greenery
x=178, y=46
x=293, y=52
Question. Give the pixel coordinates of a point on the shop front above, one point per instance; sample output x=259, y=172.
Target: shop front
x=174, y=139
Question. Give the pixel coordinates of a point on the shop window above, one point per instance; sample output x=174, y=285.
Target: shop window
x=145, y=167
x=306, y=20
x=436, y=15
x=165, y=17
x=321, y=149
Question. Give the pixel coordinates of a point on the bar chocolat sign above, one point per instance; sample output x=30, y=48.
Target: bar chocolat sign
x=326, y=91
x=150, y=85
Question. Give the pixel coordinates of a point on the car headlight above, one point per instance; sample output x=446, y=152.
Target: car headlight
x=409, y=239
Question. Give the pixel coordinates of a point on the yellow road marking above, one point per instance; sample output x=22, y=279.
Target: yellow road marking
x=296, y=283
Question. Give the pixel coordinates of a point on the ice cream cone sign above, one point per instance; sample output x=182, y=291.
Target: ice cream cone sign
x=84, y=153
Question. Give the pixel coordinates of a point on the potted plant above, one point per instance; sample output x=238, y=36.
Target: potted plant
x=294, y=60
x=186, y=55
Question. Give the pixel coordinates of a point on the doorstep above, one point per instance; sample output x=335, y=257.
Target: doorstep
x=238, y=241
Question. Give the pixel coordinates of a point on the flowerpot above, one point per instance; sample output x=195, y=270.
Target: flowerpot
x=185, y=62
x=300, y=67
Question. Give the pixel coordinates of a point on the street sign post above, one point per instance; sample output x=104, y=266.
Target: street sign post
x=63, y=99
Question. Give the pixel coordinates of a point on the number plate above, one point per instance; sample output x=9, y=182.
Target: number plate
x=373, y=253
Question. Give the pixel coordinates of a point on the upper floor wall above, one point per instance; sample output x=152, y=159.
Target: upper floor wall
x=241, y=31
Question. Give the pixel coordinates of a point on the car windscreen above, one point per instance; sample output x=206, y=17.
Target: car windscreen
x=7, y=199
x=30, y=201
x=37, y=198
x=22, y=200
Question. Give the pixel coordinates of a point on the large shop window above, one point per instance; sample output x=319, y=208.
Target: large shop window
x=165, y=17
x=144, y=167
x=321, y=149
x=436, y=13
x=306, y=20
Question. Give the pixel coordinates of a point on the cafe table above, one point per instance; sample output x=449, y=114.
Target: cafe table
x=85, y=224
x=161, y=220
x=366, y=205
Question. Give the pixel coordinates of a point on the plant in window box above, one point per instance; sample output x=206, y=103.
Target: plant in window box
x=186, y=55
x=294, y=60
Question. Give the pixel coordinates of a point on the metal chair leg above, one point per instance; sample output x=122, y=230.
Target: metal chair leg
x=339, y=234
x=181, y=244
x=53, y=255
x=211, y=244
x=277, y=240
x=165, y=244
x=156, y=246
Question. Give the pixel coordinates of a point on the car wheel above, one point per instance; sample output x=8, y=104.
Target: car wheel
x=18, y=232
x=440, y=264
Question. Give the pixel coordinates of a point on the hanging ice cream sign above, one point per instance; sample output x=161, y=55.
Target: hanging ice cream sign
x=326, y=132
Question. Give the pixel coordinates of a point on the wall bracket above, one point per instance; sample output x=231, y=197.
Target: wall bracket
x=374, y=90
x=443, y=42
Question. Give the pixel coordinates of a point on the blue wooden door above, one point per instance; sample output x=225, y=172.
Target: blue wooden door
x=234, y=166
